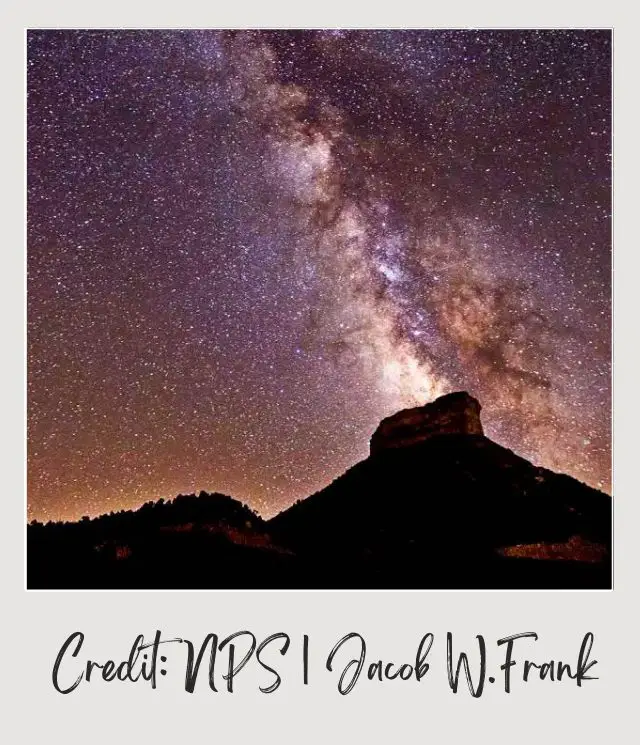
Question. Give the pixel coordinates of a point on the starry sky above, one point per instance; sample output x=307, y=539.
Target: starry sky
x=246, y=248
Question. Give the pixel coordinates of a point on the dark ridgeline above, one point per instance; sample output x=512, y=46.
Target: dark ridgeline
x=435, y=505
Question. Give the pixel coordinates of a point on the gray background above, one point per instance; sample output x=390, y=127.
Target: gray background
x=34, y=624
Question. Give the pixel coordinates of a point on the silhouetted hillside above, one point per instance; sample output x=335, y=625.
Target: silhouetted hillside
x=456, y=511
x=436, y=505
x=209, y=540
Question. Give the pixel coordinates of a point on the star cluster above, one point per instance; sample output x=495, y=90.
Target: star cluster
x=246, y=248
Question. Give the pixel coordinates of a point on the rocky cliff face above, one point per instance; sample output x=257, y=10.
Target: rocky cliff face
x=439, y=504
x=455, y=413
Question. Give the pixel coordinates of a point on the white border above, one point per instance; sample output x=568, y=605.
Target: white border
x=34, y=624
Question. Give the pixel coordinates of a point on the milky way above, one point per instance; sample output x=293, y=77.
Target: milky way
x=246, y=248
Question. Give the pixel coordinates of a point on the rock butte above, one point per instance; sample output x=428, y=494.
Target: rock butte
x=453, y=414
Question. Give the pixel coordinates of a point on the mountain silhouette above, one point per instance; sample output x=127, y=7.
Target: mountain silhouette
x=436, y=504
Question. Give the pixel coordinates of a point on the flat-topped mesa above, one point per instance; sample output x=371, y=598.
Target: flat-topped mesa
x=453, y=414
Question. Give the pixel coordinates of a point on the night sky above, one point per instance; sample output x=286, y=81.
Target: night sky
x=246, y=248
